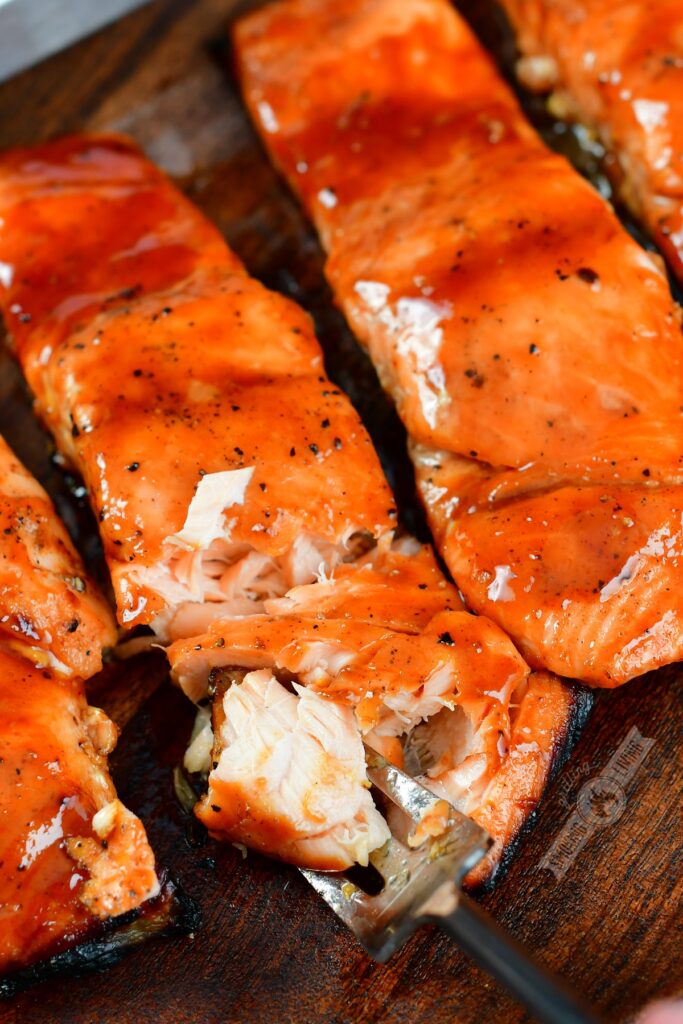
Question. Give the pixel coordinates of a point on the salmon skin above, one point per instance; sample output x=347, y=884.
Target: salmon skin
x=245, y=517
x=531, y=346
x=75, y=860
x=618, y=68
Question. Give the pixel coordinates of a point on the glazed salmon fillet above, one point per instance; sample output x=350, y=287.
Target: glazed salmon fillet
x=531, y=346
x=73, y=856
x=245, y=517
x=617, y=67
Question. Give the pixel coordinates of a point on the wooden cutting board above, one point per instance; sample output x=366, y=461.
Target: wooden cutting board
x=268, y=950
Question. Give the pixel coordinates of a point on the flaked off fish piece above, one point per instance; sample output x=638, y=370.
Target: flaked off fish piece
x=490, y=745
x=73, y=857
x=242, y=508
x=617, y=68
x=531, y=346
x=289, y=777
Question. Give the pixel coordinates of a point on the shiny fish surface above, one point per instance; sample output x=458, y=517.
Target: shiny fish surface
x=245, y=516
x=72, y=855
x=618, y=68
x=531, y=346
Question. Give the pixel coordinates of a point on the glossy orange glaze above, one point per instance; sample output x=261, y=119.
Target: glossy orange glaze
x=520, y=720
x=376, y=663
x=536, y=710
x=50, y=610
x=156, y=361
x=53, y=746
x=618, y=67
x=531, y=346
x=53, y=780
x=42, y=799
x=228, y=814
x=395, y=584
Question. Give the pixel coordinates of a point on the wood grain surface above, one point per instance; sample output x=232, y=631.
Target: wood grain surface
x=268, y=950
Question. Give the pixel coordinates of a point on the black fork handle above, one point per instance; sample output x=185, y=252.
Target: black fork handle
x=497, y=953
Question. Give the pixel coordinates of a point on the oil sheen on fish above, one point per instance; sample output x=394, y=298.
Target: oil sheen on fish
x=73, y=857
x=618, y=68
x=531, y=346
x=245, y=516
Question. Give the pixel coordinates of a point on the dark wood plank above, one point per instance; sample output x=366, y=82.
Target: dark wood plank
x=268, y=950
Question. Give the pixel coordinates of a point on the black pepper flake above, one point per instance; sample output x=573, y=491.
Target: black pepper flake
x=75, y=431
x=73, y=626
x=166, y=310
x=314, y=448
x=473, y=453
x=235, y=408
x=137, y=373
x=587, y=275
x=337, y=443
x=24, y=318
x=263, y=486
x=292, y=452
x=238, y=450
x=646, y=472
x=325, y=423
x=216, y=808
x=422, y=586
x=561, y=276
x=133, y=467
x=533, y=349
x=446, y=638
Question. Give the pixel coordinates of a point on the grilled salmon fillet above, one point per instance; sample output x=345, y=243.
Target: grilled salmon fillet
x=293, y=692
x=245, y=516
x=192, y=400
x=617, y=67
x=73, y=857
x=531, y=346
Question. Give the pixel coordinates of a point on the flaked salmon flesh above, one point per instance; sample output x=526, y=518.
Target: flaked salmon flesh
x=72, y=855
x=246, y=520
x=531, y=346
x=617, y=68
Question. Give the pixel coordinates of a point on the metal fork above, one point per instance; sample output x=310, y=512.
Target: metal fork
x=422, y=885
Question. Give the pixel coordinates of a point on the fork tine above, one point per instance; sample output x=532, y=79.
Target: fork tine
x=413, y=877
x=409, y=795
x=418, y=803
x=345, y=898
